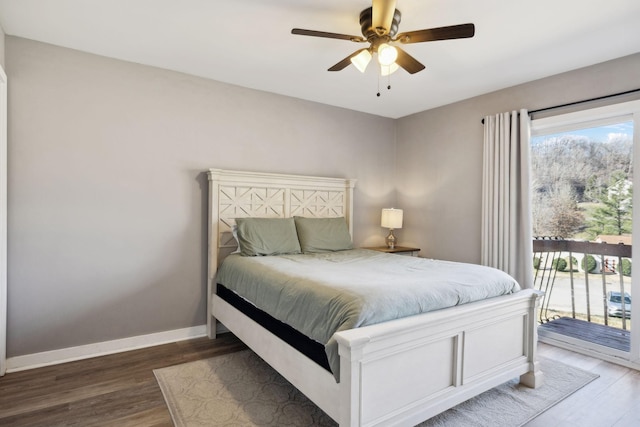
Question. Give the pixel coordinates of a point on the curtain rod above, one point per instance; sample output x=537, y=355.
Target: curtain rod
x=570, y=104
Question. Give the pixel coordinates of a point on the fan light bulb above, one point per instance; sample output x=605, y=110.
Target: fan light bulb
x=361, y=60
x=387, y=55
x=386, y=70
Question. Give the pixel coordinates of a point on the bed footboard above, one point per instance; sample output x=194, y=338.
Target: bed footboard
x=403, y=372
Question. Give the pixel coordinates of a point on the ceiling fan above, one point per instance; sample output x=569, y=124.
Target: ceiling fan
x=379, y=25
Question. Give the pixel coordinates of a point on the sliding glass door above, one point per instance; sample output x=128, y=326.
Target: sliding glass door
x=583, y=197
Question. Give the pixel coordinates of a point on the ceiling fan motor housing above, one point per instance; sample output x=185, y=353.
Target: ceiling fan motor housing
x=370, y=33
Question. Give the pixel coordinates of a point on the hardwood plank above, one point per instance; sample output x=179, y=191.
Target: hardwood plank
x=612, y=406
x=121, y=390
x=630, y=418
x=591, y=405
x=117, y=389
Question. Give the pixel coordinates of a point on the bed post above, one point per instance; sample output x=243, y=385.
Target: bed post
x=534, y=378
x=351, y=183
x=350, y=352
x=212, y=255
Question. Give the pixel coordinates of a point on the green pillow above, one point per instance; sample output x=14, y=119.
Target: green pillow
x=323, y=234
x=267, y=236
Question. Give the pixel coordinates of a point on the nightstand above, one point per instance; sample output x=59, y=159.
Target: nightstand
x=398, y=250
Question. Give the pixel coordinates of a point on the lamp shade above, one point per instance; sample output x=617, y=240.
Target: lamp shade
x=386, y=70
x=387, y=55
x=391, y=218
x=361, y=60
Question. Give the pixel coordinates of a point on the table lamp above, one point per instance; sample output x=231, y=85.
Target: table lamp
x=391, y=219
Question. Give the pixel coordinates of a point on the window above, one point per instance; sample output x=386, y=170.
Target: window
x=582, y=182
x=582, y=191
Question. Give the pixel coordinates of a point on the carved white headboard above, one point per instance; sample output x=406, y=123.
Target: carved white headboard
x=235, y=194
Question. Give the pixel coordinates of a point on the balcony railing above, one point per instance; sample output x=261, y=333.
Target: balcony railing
x=582, y=288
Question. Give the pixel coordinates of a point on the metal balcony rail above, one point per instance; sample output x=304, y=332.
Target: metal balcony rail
x=608, y=259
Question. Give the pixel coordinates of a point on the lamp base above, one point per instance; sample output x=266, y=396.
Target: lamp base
x=391, y=239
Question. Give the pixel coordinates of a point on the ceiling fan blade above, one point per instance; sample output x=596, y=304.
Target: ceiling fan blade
x=345, y=62
x=408, y=62
x=382, y=15
x=461, y=31
x=302, y=32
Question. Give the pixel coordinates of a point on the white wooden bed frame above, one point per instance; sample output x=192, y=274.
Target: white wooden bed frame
x=395, y=373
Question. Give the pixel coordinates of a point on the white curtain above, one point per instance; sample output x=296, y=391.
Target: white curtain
x=506, y=205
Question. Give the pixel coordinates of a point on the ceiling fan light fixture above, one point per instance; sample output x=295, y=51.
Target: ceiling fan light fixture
x=361, y=60
x=379, y=25
x=386, y=70
x=387, y=54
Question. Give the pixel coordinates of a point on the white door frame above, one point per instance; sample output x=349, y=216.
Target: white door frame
x=596, y=117
x=3, y=222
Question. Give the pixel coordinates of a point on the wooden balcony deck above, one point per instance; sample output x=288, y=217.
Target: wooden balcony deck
x=606, y=336
x=577, y=293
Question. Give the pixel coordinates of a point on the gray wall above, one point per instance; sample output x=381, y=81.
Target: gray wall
x=439, y=155
x=107, y=196
x=2, y=36
x=107, y=192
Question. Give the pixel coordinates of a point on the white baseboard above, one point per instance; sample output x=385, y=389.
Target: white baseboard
x=54, y=357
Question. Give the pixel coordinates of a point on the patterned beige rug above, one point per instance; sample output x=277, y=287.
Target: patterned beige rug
x=239, y=389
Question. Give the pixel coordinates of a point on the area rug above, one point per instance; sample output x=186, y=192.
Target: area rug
x=239, y=389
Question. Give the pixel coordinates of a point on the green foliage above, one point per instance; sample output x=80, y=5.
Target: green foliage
x=591, y=263
x=614, y=211
x=559, y=264
x=626, y=266
x=536, y=262
x=574, y=263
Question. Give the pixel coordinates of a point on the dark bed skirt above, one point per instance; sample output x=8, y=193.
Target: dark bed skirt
x=305, y=345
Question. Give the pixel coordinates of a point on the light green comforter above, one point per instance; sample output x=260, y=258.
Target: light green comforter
x=320, y=294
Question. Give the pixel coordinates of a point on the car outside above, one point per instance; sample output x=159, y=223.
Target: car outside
x=614, y=304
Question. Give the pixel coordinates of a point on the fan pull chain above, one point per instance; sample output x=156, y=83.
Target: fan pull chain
x=388, y=84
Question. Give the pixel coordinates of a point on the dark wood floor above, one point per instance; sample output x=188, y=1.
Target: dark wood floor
x=115, y=390
x=121, y=390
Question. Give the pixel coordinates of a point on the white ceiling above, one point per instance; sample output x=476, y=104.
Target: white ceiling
x=249, y=43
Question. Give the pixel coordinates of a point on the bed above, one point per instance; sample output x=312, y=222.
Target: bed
x=397, y=372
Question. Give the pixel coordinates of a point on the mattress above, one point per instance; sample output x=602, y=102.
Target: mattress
x=323, y=293
x=296, y=339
